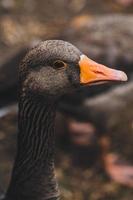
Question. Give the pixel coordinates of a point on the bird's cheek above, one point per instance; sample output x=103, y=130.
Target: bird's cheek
x=73, y=74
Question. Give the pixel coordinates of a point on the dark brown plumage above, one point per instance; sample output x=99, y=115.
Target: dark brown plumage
x=48, y=71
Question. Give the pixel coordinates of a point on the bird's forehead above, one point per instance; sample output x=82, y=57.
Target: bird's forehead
x=58, y=49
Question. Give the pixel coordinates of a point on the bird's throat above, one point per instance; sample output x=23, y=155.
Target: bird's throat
x=33, y=176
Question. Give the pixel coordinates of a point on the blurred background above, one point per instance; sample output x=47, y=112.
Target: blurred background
x=94, y=159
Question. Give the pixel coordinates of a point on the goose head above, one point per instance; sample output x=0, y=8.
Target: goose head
x=56, y=67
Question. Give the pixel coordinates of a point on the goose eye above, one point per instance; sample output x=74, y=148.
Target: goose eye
x=59, y=64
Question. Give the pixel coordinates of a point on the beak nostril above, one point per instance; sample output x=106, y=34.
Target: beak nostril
x=99, y=72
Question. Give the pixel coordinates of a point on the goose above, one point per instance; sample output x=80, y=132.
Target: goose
x=48, y=71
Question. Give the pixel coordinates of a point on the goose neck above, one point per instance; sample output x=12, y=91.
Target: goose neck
x=33, y=176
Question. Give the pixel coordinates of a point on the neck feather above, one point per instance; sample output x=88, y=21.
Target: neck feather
x=33, y=176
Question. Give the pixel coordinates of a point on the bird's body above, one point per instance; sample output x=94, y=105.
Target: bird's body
x=48, y=71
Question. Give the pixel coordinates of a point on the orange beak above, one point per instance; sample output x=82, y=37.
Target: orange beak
x=92, y=72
